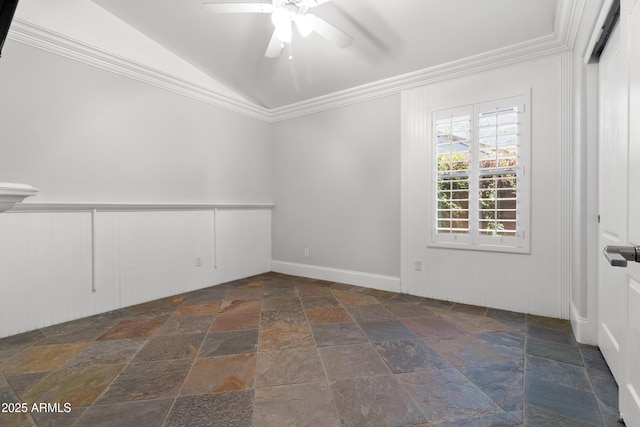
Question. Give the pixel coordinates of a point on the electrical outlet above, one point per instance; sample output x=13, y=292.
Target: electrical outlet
x=306, y=252
x=418, y=264
x=198, y=261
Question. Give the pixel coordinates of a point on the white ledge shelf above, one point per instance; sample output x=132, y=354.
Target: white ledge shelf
x=133, y=207
x=11, y=193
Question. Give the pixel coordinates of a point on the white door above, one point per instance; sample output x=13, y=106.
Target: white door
x=619, y=179
x=613, y=150
x=630, y=384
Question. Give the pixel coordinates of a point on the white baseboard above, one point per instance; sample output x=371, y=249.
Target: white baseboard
x=584, y=331
x=358, y=278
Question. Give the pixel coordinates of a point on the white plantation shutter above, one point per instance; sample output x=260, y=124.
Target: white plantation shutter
x=453, y=149
x=480, y=188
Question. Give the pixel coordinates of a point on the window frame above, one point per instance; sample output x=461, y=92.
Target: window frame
x=474, y=239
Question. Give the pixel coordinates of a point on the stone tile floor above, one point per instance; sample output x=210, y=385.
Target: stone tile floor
x=277, y=350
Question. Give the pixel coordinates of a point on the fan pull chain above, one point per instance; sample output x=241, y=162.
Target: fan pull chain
x=291, y=50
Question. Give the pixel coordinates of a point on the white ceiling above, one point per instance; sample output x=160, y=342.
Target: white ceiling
x=391, y=38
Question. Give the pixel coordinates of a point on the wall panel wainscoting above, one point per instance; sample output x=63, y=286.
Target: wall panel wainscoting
x=60, y=262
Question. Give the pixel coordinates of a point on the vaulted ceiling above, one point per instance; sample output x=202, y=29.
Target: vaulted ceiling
x=391, y=38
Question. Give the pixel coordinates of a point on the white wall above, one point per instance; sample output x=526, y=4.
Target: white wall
x=57, y=266
x=82, y=134
x=336, y=177
x=531, y=283
x=86, y=137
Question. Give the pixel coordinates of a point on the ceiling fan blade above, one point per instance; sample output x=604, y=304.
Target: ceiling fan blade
x=214, y=7
x=314, y=3
x=275, y=46
x=330, y=32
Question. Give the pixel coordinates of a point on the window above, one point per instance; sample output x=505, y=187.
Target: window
x=480, y=183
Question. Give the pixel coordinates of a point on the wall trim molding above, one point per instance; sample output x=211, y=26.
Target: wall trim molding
x=50, y=41
x=126, y=207
x=566, y=186
x=358, y=278
x=582, y=329
x=566, y=26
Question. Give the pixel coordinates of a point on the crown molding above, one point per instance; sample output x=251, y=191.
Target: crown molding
x=538, y=48
x=566, y=24
x=50, y=41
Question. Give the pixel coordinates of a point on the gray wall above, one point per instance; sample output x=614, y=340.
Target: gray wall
x=336, y=178
x=82, y=134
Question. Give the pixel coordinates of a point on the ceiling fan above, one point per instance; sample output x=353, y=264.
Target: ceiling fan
x=284, y=13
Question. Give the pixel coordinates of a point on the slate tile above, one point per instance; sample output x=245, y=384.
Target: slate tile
x=404, y=309
x=387, y=330
x=21, y=384
x=145, y=413
x=240, y=306
x=432, y=326
x=558, y=372
x=350, y=361
x=110, y=352
x=229, y=342
x=472, y=323
x=78, y=386
x=569, y=402
x=165, y=347
x=13, y=419
x=199, y=308
x=355, y=299
x=319, y=302
x=407, y=298
x=289, y=367
x=538, y=417
x=497, y=420
x=378, y=401
x=186, y=325
x=236, y=321
x=42, y=358
x=338, y=334
x=147, y=381
x=548, y=322
x=546, y=334
x=282, y=319
x=510, y=344
x=23, y=340
x=436, y=303
x=466, y=350
x=502, y=382
x=300, y=405
x=82, y=335
x=445, y=395
x=138, y=327
x=368, y=313
x=285, y=338
x=317, y=316
x=312, y=290
x=244, y=294
x=221, y=374
x=281, y=303
x=232, y=409
x=409, y=356
x=515, y=321
x=58, y=419
x=469, y=309
x=553, y=350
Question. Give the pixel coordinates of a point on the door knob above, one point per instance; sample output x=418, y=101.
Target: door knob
x=618, y=256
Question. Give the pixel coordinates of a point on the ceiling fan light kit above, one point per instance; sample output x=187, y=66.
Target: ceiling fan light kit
x=284, y=13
